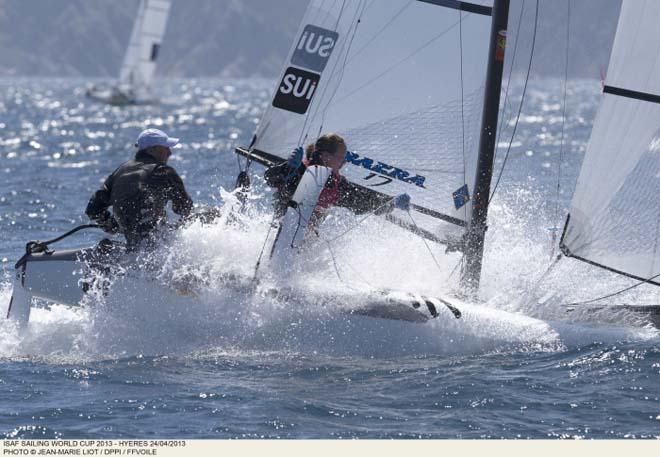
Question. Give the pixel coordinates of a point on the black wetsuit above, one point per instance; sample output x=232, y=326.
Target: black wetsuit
x=138, y=192
x=285, y=180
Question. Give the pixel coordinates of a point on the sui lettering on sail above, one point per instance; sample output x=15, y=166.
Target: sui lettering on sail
x=314, y=48
x=296, y=90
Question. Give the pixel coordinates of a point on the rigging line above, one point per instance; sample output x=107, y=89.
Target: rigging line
x=405, y=59
x=340, y=13
x=342, y=70
x=522, y=100
x=563, y=126
x=318, y=12
x=437, y=264
x=356, y=225
x=238, y=163
x=304, y=133
x=263, y=247
x=336, y=267
x=508, y=82
x=542, y=278
x=382, y=29
x=460, y=53
x=613, y=294
x=302, y=219
x=303, y=136
x=455, y=269
x=657, y=235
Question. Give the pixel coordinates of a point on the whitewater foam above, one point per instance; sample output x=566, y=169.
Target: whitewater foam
x=187, y=298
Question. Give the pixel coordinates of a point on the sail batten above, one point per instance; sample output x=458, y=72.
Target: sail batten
x=628, y=93
x=615, y=212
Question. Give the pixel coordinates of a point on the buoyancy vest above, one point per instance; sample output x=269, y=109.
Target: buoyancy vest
x=136, y=206
x=330, y=193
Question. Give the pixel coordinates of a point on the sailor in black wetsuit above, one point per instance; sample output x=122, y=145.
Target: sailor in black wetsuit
x=139, y=191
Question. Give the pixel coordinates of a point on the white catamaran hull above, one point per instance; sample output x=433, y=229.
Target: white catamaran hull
x=62, y=277
x=66, y=277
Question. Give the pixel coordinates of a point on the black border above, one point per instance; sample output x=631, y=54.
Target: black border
x=643, y=96
x=462, y=6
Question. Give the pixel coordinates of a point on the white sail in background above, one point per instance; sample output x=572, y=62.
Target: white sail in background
x=615, y=213
x=139, y=64
x=391, y=78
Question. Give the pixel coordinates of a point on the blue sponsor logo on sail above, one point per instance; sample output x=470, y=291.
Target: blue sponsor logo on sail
x=384, y=169
x=461, y=197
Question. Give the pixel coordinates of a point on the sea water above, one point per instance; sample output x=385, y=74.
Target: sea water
x=152, y=360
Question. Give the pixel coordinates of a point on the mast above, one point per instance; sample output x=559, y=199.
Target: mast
x=476, y=233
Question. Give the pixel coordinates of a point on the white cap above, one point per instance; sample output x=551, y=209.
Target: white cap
x=155, y=137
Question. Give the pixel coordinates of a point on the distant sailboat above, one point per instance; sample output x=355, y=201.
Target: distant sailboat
x=139, y=64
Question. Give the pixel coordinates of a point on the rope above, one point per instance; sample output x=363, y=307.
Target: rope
x=592, y=300
x=336, y=267
x=342, y=69
x=332, y=253
x=400, y=62
x=341, y=11
x=33, y=247
x=508, y=83
x=613, y=294
x=356, y=225
x=522, y=100
x=263, y=248
x=563, y=129
x=428, y=248
x=460, y=54
x=382, y=29
x=309, y=116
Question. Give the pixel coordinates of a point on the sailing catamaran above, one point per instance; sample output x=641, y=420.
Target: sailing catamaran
x=424, y=121
x=421, y=117
x=139, y=64
x=421, y=121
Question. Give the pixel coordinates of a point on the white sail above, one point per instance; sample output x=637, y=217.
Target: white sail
x=139, y=64
x=615, y=213
x=402, y=81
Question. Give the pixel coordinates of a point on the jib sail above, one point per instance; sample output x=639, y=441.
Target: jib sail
x=614, y=217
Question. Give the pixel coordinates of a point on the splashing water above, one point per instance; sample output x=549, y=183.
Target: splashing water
x=192, y=349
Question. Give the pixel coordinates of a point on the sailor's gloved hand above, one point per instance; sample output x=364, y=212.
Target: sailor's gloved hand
x=110, y=225
x=402, y=202
x=296, y=157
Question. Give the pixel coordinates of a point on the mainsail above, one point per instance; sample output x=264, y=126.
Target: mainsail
x=614, y=219
x=403, y=82
x=139, y=65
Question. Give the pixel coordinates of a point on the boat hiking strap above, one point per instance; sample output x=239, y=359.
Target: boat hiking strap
x=33, y=247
